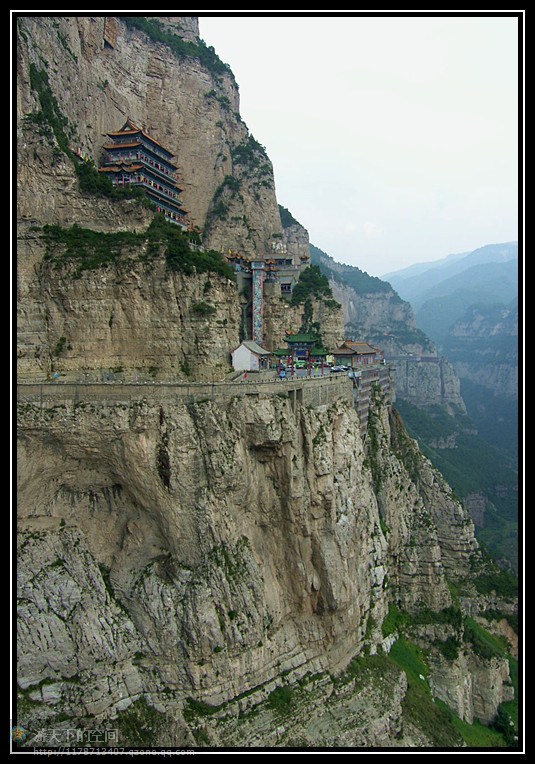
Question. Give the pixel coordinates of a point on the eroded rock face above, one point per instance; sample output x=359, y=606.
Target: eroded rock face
x=476, y=503
x=483, y=346
x=433, y=537
x=214, y=546
x=139, y=318
x=378, y=316
x=247, y=528
x=189, y=107
x=133, y=320
x=429, y=382
x=471, y=686
x=382, y=318
x=281, y=317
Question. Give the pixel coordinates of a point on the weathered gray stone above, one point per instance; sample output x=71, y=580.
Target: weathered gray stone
x=472, y=686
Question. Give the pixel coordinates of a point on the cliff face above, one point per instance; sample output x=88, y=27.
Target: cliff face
x=233, y=551
x=280, y=317
x=121, y=317
x=429, y=382
x=296, y=241
x=190, y=107
x=135, y=318
x=483, y=347
x=244, y=519
x=210, y=549
x=373, y=311
x=380, y=316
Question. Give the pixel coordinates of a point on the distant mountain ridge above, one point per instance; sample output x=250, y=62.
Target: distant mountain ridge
x=413, y=285
x=417, y=268
x=484, y=284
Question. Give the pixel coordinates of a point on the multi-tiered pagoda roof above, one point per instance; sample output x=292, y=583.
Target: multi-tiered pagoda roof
x=133, y=157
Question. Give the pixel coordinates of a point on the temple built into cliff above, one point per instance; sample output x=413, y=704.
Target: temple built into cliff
x=133, y=157
x=355, y=354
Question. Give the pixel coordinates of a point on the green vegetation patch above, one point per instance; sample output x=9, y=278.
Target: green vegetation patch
x=252, y=154
x=312, y=284
x=411, y=659
x=105, y=573
x=484, y=644
x=90, y=250
x=433, y=422
x=50, y=118
x=498, y=615
x=140, y=725
x=203, y=309
x=228, y=190
x=50, y=122
x=179, y=255
x=281, y=699
x=287, y=219
x=86, y=248
x=418, y=704
x=395, y=620
x=448, y=647
x=362, y=668
x=499, y=581
x=179, y=47
x=349, y=275
x=475, y=735
x=495, y=416
x=198, y=708
x=99, y=184
x=407, y=335
x=473, y=466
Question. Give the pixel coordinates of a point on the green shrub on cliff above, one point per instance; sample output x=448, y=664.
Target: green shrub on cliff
x=180, y=48
x=89, y=250
x=312, y=284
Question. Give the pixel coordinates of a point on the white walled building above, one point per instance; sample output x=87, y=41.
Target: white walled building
x=250, y=357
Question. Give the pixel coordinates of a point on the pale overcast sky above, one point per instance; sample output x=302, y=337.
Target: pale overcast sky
x=393, y=140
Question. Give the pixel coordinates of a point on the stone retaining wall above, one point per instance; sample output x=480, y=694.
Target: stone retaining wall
x=321, y=391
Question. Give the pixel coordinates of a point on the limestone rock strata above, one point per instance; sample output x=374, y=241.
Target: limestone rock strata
x=281, y=317
x=135, y=317
x=436, y=536
x=472, y=686
x=226, y=177
x=245, y=537
x=192, y=109
x=429, y=382
x=383, y=318
x=216, y=547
